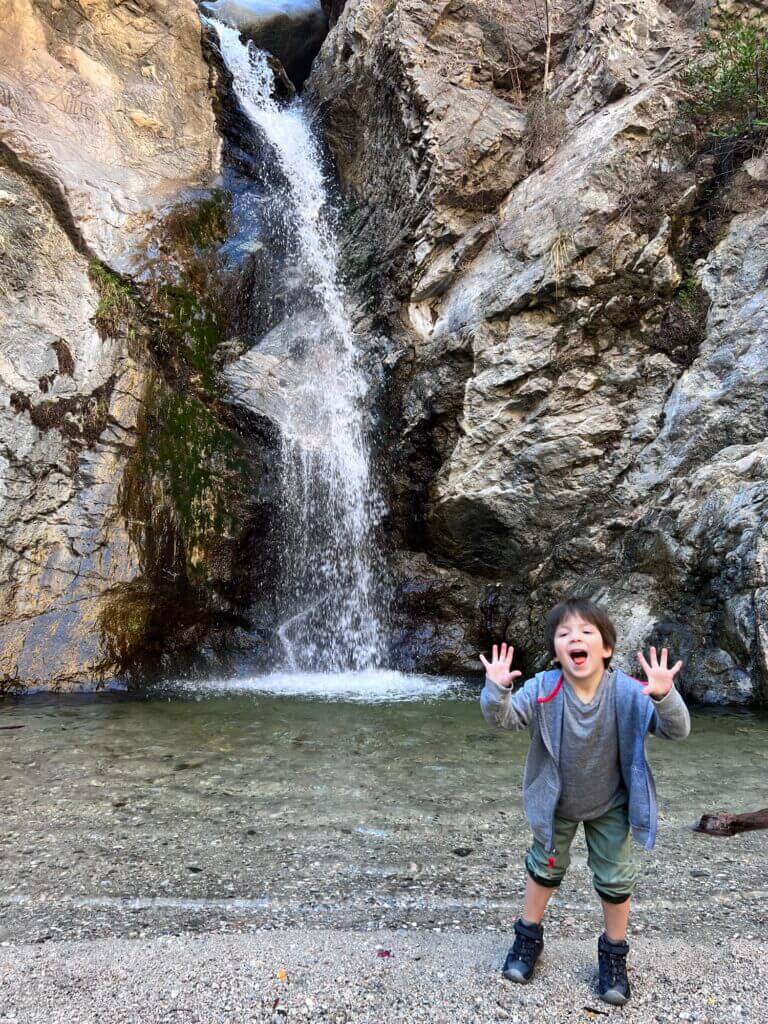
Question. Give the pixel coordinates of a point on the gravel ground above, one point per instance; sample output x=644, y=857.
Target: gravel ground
x=341, y=976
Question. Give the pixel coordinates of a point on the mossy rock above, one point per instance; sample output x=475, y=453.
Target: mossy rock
x=117, y=307
x=186, y=476
x=189, y=477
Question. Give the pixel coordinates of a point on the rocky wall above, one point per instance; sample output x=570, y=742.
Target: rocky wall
x=105, y=122
x=577, y=317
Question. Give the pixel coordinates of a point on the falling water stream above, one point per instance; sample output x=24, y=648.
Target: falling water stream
x=304, y=372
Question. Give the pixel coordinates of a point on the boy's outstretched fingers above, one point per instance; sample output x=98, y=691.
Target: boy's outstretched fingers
x=499, y=668
x=660, y=678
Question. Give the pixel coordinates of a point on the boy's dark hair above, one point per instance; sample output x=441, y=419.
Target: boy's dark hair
x=587, y=610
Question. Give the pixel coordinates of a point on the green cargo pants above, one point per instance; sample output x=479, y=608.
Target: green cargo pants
x=610, y=855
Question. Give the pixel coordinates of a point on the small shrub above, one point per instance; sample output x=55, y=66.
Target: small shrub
x=727, y=90
x=683, y=328
x=117, y=306
x=560, y=255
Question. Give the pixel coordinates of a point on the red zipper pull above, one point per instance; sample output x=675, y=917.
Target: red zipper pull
x=551, y=696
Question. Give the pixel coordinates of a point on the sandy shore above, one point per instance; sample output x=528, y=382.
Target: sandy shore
x=341, y=976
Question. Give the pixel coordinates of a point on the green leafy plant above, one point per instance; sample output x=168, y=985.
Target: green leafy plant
x=727, y=89
x=117, y=303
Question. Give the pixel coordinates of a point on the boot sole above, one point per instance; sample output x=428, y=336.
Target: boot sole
x=614, y=997
x=516, y=976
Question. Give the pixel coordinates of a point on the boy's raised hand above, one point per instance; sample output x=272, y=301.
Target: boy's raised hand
x=499, y=667
x=660, y=678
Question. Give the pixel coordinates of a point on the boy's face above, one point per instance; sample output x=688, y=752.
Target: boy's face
x=580, y=649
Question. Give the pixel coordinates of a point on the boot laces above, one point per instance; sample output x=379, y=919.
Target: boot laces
x=524, y=949
x=615, y=965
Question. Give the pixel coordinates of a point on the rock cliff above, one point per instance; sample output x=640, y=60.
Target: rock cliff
x=577, y=307
x=105, y=120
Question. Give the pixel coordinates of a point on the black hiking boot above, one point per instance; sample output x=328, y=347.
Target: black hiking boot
x=613, y=986
x=529, y=942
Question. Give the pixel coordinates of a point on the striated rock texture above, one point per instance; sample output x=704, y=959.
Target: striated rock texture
x=106, y=108
x=578, y=315
x=69, y=400
x=105, y=120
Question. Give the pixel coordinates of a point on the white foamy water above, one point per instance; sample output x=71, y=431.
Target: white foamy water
x=304, y=374
x=368, y=686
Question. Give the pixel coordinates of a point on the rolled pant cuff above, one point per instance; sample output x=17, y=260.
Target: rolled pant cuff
x=611, y=898
x=549, y=883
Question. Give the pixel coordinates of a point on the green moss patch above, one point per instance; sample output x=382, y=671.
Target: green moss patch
x=117, y=300
x=205, y=224
x=186, y=477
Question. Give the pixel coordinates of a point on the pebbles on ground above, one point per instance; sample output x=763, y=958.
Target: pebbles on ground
x=341, y=976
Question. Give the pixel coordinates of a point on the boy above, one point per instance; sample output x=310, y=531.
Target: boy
x=586, y=762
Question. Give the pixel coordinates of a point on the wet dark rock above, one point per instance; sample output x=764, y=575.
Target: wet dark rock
x=333, y=9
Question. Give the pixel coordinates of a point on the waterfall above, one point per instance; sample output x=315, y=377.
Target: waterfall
x=304, y=373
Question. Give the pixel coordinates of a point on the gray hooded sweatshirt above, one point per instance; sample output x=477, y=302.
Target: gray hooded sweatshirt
x=538, y=706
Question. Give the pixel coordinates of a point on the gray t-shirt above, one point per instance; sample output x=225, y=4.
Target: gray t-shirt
x=589, y=754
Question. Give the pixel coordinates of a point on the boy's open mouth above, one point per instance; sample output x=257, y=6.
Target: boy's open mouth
x=578, y=656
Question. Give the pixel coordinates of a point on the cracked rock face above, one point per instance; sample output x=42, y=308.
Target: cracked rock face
x=69, y=407
x=105, y=117
x=106, y=108
x=579, y=368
